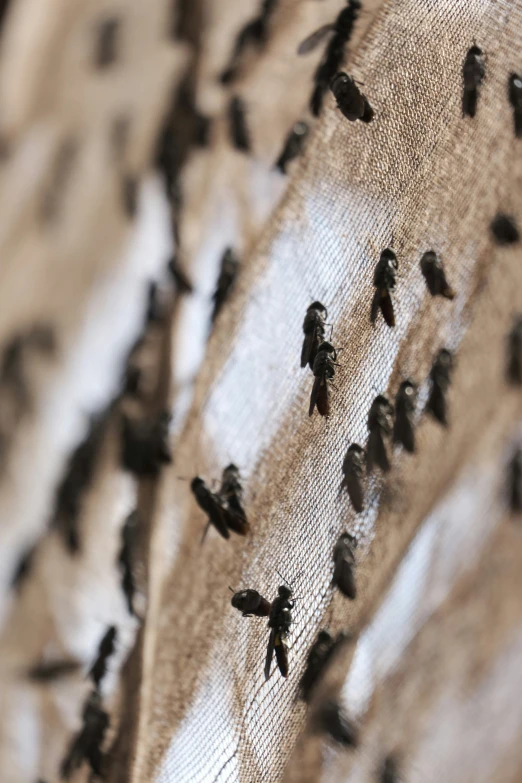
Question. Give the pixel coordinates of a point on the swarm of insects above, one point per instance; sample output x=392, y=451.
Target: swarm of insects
x=380, y=425
x=250, y=603
x=350, y=100
x=105, y=650
x=341, y=30
x=353, y=471
x=87, y=745
x=324, y=371
x=219, y=516
x=226, y=281
x=440, y=376
x=473, y=72
x=144, y=444
x=514, y=353
x=505, y=230
x=404, y=428
x=237, y=124
x=515, y=99
x=433, y=271
x=344, y=565
x=279, y=622
x=293, y=145
x=515, y=482
x=231, y=493
x=384, y=280
x=313, y=328
x=255, y=34
x=332, y=719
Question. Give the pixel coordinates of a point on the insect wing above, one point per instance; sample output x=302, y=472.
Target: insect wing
x=312, y=41
x=281, y=651
x=376, y=453
x=309, y=349
x=235, y=522
x=387, y=308
x=270, y=653
x=323, y=399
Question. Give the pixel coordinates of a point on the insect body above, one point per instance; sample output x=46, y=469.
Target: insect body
x=342, y=30
x=505, y=230
x=514, y=362
x=279, y=622
x=384, y=279
x=231, y=492
x=226, y=281
x=403, y=428
x=350, y=100
x=433, y=271
x=473, y=73
x=313, y=328
x=440, y=376
x=250, y=602
x=344, y=565
x=380, y=425
x=211, y=505
x=515, y=99
x=353, y=470
x=105, y=650
x=239, y=134
x=293, y=145
x=332, y=719
x=324, y=371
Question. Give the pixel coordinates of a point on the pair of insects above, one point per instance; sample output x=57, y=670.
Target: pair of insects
x=320, y=356
x=224, y=509
x=279, y=613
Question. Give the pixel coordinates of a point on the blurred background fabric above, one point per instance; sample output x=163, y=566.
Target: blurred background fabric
x=92, y=94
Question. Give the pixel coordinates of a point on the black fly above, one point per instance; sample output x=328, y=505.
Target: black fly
x=332, y=719
x=231, y=493
x=344, y=565
x=353, y=470
x=350, y=100
x=384, y=279
x=239, y=134
x=52, y=670
x=515, y=99
x=279, y=621
x=316, y=660
x=126, y=558
x=221, y=517
x=144, y=444
x=87, y=743
x=515, y=482
x=440, y=376
x=293, y=145
x=514, y=353
x=105, y=650
x=380, y=425
x=505, y=230
x=324, y=371
x=342, y=30
x=404, y=429
x=313, y=328
x=433, y=271
x=250, y=603
x=254, y=33
x=473, y=72
x=226, y=281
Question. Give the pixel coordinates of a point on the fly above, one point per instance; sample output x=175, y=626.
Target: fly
x=344, y=565
x=324, y=371
x=250, y=603
x=384, y=280
x=353, y=470
x=313, y=328
x=404, y=427
x=473, y=72
x=350, y=100
x=433, y=271
x=293, y=145
x=279, y=622
x=440, y=376
x=380, y=425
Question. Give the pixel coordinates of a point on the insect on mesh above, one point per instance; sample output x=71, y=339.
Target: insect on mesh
x=431, y=674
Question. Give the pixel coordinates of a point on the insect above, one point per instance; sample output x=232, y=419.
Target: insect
x=433, y=271
x=107, y=43
x=218, y=515
x=105, y=650
x=332, y=719
x=350, y=100
x=403, y=428
x=226, y=281
x=344, y=565
x=183, y=284
x=514, y=353
x=505, y=230
x=87, y=743
x=473, y=72
x=313, y=328
x=515, y=99
x=324, y=371
x=515, y=482
x=231, y=493
x=239, y=134
x=342, y=30
x=384, y=279
x=390, y=770
x=126, y=558
x=254, y=33
x=144, y=444
x=52, y=670
x=293, y=145
x=353, y=470
x=316, y=661
x=440, y=376
x=279, y=621
x=380, y=425
x=250, y=603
